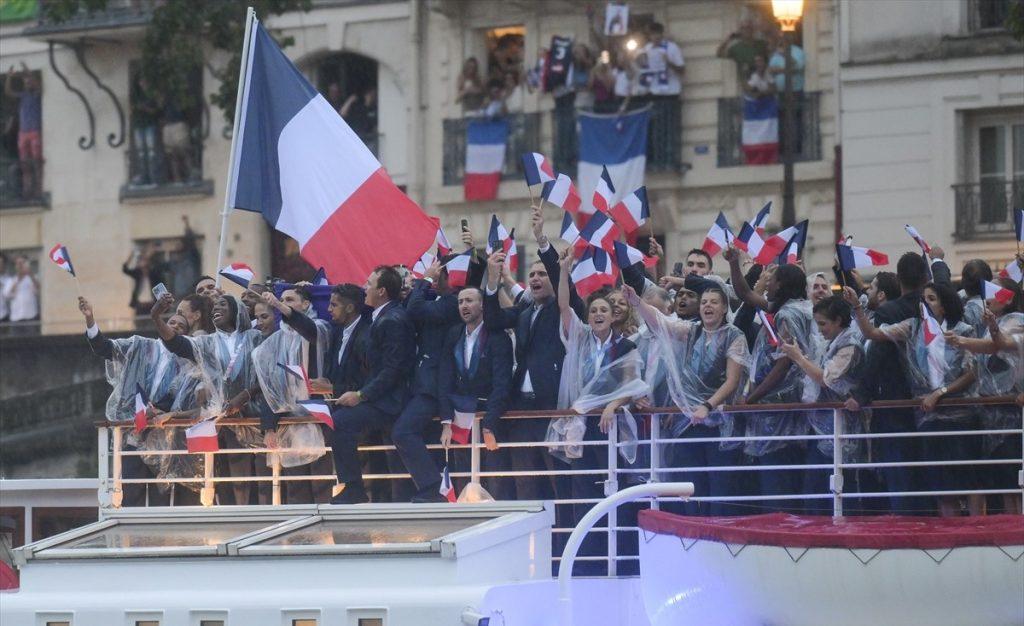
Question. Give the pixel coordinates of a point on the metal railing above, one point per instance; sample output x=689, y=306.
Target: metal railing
x=649, y=467
x=523, y=136
x=807, y=124
x=150, y=169
x=987, y=207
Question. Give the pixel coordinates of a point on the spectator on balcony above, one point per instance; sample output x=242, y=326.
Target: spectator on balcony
x=664, y=66
x=30, y=128
x=514, y=94
x=495, y=106
x=470, y=87
x=335, y=97
x=176, y=134
x=146, y=272
x=625, y=85
x=777, y=70
x=146, y=112
x=360, y=112
x=507, y=56
x=604, y=87
x=759, y=84
x=743, y=45
x=23, y=292
x=5, y=281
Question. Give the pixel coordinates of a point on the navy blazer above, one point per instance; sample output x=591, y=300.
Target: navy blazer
x=539, y=349
x=432, y=317
x=351, y=373
x=488, y=377
x=391, y=357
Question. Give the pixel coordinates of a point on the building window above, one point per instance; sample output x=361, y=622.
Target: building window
x=21, y=139
x=173, y=261
x=994, y=177
x=348, y=82
x=988, y=14
x=19, y=292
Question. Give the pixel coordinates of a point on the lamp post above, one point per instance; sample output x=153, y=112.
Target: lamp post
x=788, y=13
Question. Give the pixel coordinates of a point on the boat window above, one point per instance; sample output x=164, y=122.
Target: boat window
x=147, y=622
x=64, y=623
x=211, y=622
x=373, y=532
x=164, y=535
x=371, y=621
x=304, y=622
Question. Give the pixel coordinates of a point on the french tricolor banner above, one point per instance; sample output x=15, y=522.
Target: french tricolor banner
x=296, y=162
x=998, y=293
x=59, y=255
x=593, y=271
x=562, y=193
x=633, y=211
x=202, y=437
x=458, y=269
x=853, y=257
x=600, y=231
x=319, y=410
x=537, y=169
x=719, y=237
x=485, y=157
x=760, y=130
x=239, y=273
x=616, y=144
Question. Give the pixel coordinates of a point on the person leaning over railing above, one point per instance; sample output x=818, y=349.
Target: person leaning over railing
x=1001, y=373
x=835, y=372
x=774, y=378
x=706, y=363
x=937, y=369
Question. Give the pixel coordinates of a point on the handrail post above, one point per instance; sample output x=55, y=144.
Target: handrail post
x=275, y=485
x=836, y=481
x=118, y=493
x=655, y=454
x=474, y=452
x=103, y=467
x=206, y=495
x=611, y=486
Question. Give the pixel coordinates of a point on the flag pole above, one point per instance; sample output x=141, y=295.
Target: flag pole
x=250, y=19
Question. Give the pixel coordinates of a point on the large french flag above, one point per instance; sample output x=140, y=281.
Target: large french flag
x=485, y=157
x=295, y=161
x=618, y=142
x=593, y=271
x=760, y=130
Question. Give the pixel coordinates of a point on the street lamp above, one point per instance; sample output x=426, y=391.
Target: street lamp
x=788, y=13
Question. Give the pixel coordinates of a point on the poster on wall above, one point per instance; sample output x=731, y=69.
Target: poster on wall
x=616, y=19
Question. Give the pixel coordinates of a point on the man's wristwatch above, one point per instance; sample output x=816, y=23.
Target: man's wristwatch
x=943, y=390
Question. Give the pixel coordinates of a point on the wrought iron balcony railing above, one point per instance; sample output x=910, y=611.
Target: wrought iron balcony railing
x=808, y=126
x=987, y=207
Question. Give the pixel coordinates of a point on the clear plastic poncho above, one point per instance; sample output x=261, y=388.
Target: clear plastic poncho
x=192, y=393
x=282, y=390
x=1002, y=374
x=840, y=364
x=930, y=367
x=695, y=361
x=793, y=320
x=593, y=375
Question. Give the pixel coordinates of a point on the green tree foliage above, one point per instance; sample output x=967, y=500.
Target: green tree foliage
x=183, y=35
x=1015, y=20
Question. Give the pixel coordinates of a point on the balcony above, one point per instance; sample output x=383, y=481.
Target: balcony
x=985, y=208
x=117, y=15
x=157, y=171
x=523, y=136
x=730, y=130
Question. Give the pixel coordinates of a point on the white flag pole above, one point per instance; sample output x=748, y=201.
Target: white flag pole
x=250, y=19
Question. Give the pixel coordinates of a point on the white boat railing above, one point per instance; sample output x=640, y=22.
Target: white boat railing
x=654, y=470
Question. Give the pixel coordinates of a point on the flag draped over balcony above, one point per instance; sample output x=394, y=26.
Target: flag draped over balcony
x=618, y=142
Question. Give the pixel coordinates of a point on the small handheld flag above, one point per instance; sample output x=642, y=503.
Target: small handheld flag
x=626, y=255
x=537, y=169
x=458, y=269
x=511, y=253
x=770, y=248
x=768, y=322
x=1018, y=224
x=465, y=413
x=600, y=231
x=443, y=247
x=795, y=246
x=719, y=237
x=419, y=269
x=604, y=192
x=761, y=220
x=319, y=410
x=298, y=372
x=59, y=255
x=633, y=211
x=852, y=257
x=918, y=238
x=447, y=489
x=593, y=271
x=998, y=293
x=569, y=233
x=320, y=278
x=562, y=193
x=496, y=236
x=1013, y=271
x=202, y=437
x=239, y=273
x=140, y=409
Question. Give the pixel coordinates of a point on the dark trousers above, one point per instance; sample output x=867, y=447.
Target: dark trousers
x=589, y=487
x=534, y=458
x=708, y=454
x=307, y=491
x=138, y=494
x=782, y=482
x=896, y=450
x=408, y=435
x=349, y=424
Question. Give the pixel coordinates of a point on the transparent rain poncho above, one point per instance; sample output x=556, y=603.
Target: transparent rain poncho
x=695, y=361
x=930, y=367
x=282, y=390
x=840, y=364
x=1002, y=374
x=591, y=379
x=793, y=321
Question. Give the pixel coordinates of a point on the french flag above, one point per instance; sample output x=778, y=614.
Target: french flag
x=1018, y=224
x=633, y=211
x=497, y=236
x=458, y=269
x=593, y=271
x=774, y=245
x=447, y=489
x=296, y=162
x=320, y=278
x=1013, y=271
x=853, y=257
x=611, y=147
x=298, y=372
x=749, y=240
x=512, y=253
x=537, y=169
x=569, y=233
x=562, y=193
x=918, y=238
x=760, y=130
x=795, y=247
x=761, y=220
x=443, y=247
x=719, y=237
x=319, y=410
x=239, y=273
x=935, y=344
x=626, y=255
x=768, y=322
x=59, y=255
x=485, y=157
x=202, y=437
x=998, y=293
x=600, y=231
x=140, y=409
x=465, y=413
x=932, y=328
x=419, y=269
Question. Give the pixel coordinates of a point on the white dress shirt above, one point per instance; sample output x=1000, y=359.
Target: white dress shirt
x=470, y=345
x=346, y=334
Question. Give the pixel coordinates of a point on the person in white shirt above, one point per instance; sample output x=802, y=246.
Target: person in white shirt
x=5, y=281
x=23, y=292
x=664, y=64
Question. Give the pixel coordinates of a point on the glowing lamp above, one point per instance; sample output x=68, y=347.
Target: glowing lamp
x=788, y=13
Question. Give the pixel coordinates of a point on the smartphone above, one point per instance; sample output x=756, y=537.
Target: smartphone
x=677, y=269
x=159, y=291
x=465, y=226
